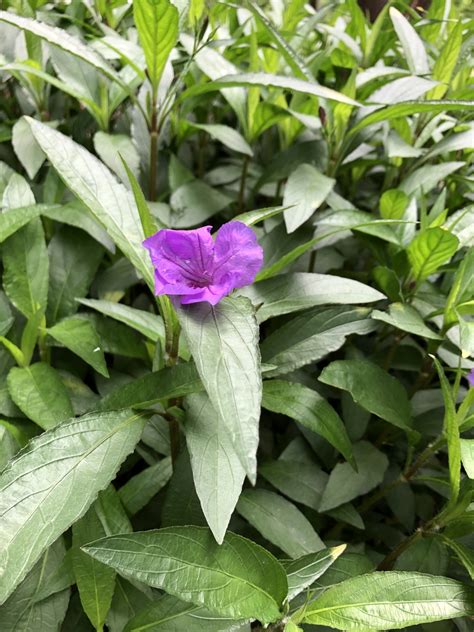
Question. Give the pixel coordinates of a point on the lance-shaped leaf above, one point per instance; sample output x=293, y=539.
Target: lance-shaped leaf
x=62, y=39
x=223, y=340
x=413, y=47
x=305, y=570
x=305, y=191
x=157, y=25
x=217, y=472
x=390, y=601
x=80, y=337
x=310, y=409
x=431, y=249
x=51, y=484
x=109, y=201
x=288, y=293
x=238, y=578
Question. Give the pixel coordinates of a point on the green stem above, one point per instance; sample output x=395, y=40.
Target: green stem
x=153, y=150
x=387, y=563
x=243, y=179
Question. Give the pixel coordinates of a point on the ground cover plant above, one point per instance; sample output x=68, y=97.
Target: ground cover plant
x=264, y=421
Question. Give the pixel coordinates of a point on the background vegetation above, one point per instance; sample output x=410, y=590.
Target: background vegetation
x=300, y=456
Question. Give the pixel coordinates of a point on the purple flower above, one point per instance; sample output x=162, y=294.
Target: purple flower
x=191, y=265
x=470, y=377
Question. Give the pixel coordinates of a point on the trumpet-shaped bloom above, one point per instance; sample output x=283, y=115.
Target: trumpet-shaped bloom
x=192, y=265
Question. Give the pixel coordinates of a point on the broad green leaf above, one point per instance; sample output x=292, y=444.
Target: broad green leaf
x=195, y=202
x=302, y=482
x=217, y=471
x=168, y=614
x=237, y=579
x=6, y=317
x=227, y=136
x=279, y=521
x=25, y=274
x=406, y=109
x=108, y=200
x=311, y=336
x=74, y=258
x=140, y=489
x=344, y=484
x=305, y=191
x=40, y=394
x=112, y=149
x=304, y=571
x=146, y=391
x=62, y=39
x=390, y=601
x=17, y=193
x=413, y=48
x=422, y=180
x=28, y=152
x=223, y=340
x=157, y=26
x=80, y=337
x=426, y=555
x=406, y=318
x=13, y=219
x=95, y=581
x=270, y=81
x=372, y=388
x=308, y=408
x=77, y=215
x=39, y=603
x=37, y=509
x=467, y=456
x=148, y=324
x=288, y=293
x=431, y=249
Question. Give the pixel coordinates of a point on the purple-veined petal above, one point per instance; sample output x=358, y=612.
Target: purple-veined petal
x=238, y=256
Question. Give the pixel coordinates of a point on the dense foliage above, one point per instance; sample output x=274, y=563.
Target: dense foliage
x=300, y=455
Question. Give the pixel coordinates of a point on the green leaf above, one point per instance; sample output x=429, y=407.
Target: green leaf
x=413, y=48
x=95, y=581
x=28, y=152
x=311, y=336
x=431, y=249
x=344, y=484
x=411, y=107
x=108, y=200
x=223, y=340
x=74, y=258
x=463, y=553
x=422, y=180
x=25, y=275
x=306, y=189
x=40, y=394
x=113, y=150
x=76, y=460
x=390, y=601
x=304, y=571
x=77, y=215
x=445, y=64
x=288, y=293
x=168, y=614
x=80, y=337
x=467, y=456
x=308, y=408
x=147, y=323
x=217, y=471
x=406, y=318
x=302, y=482
x=17, y=193
x=60, y=38
x=13, y=219
x=157, y=25
x=372, y=388
x=38, y=600
x=140, y=489
x=271, y=81
x=146, y=391
x=227, y=136
x=260, y=215
x=195, y=202
x=279, y=521
x=237, y=579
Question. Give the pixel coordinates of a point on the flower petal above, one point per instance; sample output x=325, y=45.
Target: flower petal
x=183, y=259
x=238, y=256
